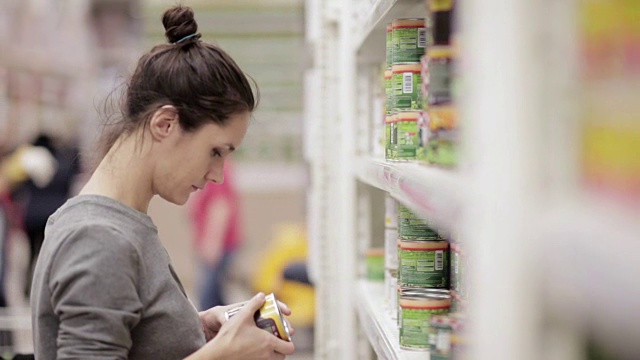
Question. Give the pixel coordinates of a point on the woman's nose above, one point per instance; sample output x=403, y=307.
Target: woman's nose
x=216, y=174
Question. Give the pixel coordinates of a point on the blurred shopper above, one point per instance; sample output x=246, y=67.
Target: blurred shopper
x=42, y=201
x=215, y=212
x=27, y=163
x=104, y=286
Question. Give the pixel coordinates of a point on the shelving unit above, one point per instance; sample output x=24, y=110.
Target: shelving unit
x=435, y=194
x=537, y=262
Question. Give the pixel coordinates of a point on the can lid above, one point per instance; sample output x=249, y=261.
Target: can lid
x=399, y=68
x=410, y=290
x=395, y=21
x=418, y=296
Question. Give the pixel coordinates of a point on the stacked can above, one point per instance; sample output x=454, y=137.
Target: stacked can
x=439, y=130
x=423, y=278
x=440, y=337
x=406, y=44
x=391, y=254
x=416, y=307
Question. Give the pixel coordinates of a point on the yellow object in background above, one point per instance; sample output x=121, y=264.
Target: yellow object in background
x=610, y=74
x=29, y=162
x=289, y=245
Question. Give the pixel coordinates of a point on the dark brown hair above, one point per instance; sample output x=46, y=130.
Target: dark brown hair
x=199, y=79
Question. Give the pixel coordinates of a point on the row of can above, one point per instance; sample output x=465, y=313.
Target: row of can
x=420, y=121
x=427, y=319
x=426, y=264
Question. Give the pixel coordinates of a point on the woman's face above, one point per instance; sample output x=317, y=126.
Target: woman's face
x=191, y=159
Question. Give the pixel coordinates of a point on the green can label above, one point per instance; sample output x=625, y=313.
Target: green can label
x=388, y=92
x=405, y=140
x=423, y=268
x=411, y=227
x=408, y=43
x=407, y=90
x=389, y=45
x=414, y=327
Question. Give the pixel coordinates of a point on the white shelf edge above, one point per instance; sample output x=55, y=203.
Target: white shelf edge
x=381, y=12
x=375, y=320
x=433, y=193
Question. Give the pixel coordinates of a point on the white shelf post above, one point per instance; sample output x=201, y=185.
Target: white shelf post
x=501, y=111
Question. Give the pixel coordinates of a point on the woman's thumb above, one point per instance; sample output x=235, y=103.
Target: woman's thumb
x=251, y=306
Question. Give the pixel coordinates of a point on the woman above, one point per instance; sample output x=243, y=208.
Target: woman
x=103, y=286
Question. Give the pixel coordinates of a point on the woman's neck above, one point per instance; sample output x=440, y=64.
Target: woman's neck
x=124, y=175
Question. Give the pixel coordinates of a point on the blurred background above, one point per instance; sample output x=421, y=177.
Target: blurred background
x=60, y=62
x=538, y=178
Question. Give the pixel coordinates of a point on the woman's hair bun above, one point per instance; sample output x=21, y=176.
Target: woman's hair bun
x=179, y=22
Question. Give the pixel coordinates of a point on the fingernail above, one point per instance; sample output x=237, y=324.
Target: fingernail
x=260, y=295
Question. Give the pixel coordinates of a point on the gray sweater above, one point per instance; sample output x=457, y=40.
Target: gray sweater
x=104, y=288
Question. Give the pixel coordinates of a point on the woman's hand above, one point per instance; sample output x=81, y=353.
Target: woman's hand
x=213, y=319
x=240, y=338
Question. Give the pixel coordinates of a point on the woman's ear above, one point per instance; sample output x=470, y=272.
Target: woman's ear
x=163, y=122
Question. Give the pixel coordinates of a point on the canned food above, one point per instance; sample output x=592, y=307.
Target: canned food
x=388, y=91
x=268, y=318
x=423, y=264
x=442, y=148
x=457, y=303
x=442, y=118
x=424, y=73
x=418, y=291
x=415, y=316
x=441, y=19
x=454, y=271
x=459, y=342
x=389, y=45
x=391, y=248
x=407, y=86
x=440, y=337
x=412, y=227
x=409, y=40
x=440, y=62
x=457, y=270
x=404, y=139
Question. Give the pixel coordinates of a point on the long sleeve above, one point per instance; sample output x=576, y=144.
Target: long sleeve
x=93, y=284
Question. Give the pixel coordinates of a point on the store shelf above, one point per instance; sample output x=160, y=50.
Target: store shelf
x=436, y=194
x=376, y=322
x=370, y=27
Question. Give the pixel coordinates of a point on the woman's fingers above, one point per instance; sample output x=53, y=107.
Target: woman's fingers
x=284, y=308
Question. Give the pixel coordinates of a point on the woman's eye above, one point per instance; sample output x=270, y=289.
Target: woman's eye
x=216, y=153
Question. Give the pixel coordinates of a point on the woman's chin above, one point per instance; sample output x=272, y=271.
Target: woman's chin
x=177, y=199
